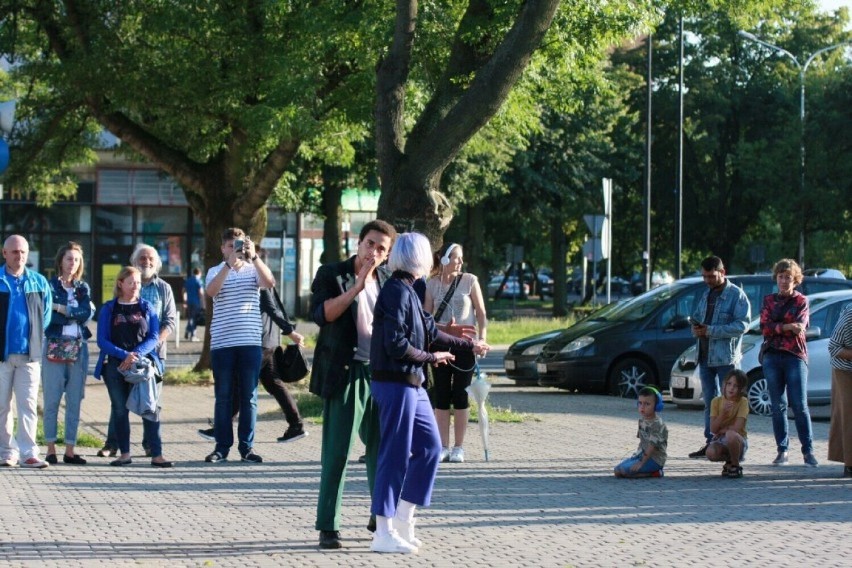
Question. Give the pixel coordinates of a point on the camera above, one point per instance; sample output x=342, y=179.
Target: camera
x=239, y=244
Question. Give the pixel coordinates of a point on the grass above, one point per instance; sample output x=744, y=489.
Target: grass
x=509, y=331
x=185, y=376
x=310, y=407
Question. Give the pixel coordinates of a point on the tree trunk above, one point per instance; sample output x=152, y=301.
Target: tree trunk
x=331, y=198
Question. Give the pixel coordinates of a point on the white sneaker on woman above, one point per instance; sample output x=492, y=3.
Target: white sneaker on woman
x=445, y=455
x=457, y=455
x=391, y=542
x=406, y=531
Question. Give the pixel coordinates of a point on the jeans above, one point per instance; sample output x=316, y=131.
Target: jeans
x=112, y=437
x=19, y=376
x=711, y=378
x=191, y=314
x=410, y=447
x=235, y=371
x=787, y=376
x=623, y=468
x=119, y=391
x=68, y=379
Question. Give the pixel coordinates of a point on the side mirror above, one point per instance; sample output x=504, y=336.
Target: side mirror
x=813, y=333
x=679, y=322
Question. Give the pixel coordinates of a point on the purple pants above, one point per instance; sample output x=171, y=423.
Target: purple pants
x=410, y=447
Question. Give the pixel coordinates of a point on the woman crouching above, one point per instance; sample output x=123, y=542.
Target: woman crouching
x=404, y=336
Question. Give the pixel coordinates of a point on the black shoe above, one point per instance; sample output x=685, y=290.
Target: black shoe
x=700, y=453
x=147, y=452
x=207, y=434
x=371, y=524
x=163, y=464
x=73, y=460
x=215, y=457
x=330, y=539
x=292, y=434
x=120, y=462
x=362, y=459
x=51, y=459
x=252, y=457
x=847, y=471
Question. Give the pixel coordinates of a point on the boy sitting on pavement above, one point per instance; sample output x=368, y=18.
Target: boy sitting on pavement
x=649, y=459
x=728, y=415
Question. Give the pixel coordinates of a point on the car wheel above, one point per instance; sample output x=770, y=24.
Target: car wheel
x=630, y=376
x=758, y=395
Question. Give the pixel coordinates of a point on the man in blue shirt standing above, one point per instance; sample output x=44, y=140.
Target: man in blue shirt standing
x=25, y=303
x=193, y=301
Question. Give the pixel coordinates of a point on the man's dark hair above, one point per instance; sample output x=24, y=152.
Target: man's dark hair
x=232, y=233
x=712, y=264
x=378, y=225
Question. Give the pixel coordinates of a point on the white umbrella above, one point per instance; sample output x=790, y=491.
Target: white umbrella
x=478, y=390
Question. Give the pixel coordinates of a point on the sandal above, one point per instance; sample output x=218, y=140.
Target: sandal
x=725, y=469
x=735, y=471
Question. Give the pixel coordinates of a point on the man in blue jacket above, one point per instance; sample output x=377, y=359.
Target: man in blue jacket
x=719, y=322
x=25, y=303
x=344, y=296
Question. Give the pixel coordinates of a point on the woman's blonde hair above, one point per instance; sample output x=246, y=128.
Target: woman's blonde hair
x=124, y=273
x=788, y=265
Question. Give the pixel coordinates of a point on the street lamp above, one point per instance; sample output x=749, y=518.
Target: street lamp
x=802, y=70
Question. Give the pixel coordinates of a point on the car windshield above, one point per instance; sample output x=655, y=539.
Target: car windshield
x=637, y=308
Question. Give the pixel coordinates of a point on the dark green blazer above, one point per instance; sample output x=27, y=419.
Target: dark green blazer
x=338, y=339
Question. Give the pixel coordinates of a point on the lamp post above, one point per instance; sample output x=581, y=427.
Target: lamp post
x=803, y=68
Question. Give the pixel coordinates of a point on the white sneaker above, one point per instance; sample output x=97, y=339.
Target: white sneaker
x=391, y=542
x=34, y=463
x=406, y=531
x=445, y=455
x=9, y=462
x=457, y=455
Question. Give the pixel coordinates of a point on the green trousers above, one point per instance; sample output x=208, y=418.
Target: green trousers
x=343, y=417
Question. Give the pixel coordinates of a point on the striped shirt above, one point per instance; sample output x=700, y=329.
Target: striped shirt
x=841, y=338
x=236, y=309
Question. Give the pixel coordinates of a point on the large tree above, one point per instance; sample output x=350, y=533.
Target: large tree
x=471, y=55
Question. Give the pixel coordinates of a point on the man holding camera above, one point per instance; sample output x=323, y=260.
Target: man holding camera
x=235, y=341
x=719, y=322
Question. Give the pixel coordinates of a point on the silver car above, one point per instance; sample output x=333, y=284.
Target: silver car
x=825, y=308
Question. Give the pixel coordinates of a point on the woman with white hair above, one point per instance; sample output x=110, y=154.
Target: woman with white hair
x=404, y=340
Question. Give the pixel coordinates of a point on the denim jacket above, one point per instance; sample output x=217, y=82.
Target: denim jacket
x=81, y=314
x=730, y=321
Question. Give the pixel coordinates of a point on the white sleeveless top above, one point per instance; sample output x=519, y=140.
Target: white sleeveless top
x=460, y=305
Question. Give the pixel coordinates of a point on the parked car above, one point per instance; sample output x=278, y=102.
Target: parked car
x=825, y=309
x=637, y=342
x=511, y=289
x=824, y=273
x=544, y=278
x=519, y=360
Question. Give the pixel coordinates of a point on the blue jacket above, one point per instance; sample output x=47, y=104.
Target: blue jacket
x=404, y=334
x=730, y=321
x=147, y=340
x=81, y=314
x=39, y=299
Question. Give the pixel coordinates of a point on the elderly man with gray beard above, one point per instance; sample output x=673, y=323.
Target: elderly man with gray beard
x=159, y=294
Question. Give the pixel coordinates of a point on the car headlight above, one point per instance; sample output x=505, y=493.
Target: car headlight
x=578, y=344
x=533, y=349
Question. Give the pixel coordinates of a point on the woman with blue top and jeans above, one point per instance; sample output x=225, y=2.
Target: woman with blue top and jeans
x=405, y=339
x=72, y=308
x=127, y=331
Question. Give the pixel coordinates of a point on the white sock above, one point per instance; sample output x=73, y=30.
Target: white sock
x=383, y=525
x=405, y=511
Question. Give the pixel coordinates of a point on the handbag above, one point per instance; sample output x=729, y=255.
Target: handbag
x=64, y=349
x=290, y=364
